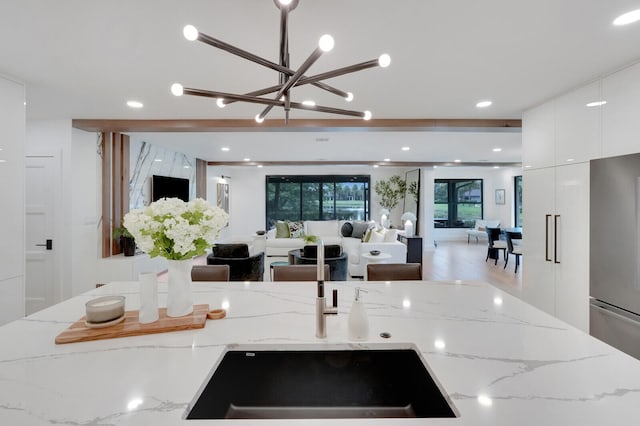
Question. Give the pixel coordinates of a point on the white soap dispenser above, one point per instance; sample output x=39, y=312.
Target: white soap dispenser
x=358, y=321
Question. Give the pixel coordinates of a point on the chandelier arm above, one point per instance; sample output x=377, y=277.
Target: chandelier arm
x=329, y=110
x=313, y=57
x=273, y=102
x=338, y=72
x=219, y=44
x=232, y=96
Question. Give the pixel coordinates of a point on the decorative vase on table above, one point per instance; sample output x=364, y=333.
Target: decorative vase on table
x=179, y=297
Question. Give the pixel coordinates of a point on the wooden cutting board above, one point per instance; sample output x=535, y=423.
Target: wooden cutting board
x=79, y=332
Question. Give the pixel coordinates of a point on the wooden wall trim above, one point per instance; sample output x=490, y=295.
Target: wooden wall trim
x=106, y=193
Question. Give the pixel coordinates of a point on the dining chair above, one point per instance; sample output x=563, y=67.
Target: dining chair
x=394, y=271
x=495, y=244
x=298, y=272
x=512, y=248
x=210, y=273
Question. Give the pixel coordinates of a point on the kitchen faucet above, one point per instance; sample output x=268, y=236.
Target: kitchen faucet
x=321, y=305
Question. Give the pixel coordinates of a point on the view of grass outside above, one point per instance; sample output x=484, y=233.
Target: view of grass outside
x=295, y=198
x=458, y=202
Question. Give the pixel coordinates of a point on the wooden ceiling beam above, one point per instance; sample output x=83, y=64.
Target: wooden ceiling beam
x=249, y=125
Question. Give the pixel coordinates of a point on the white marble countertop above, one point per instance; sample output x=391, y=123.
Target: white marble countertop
x=501, y=361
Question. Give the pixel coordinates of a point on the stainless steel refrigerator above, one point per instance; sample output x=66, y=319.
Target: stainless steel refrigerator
x=615, y=252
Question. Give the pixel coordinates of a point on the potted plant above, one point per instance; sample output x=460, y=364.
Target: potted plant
x=125, y=240
x=391, y=191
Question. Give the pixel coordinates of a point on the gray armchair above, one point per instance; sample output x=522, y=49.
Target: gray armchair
x=242, y=267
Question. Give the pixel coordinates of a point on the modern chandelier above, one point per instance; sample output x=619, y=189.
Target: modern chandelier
x=288, y=77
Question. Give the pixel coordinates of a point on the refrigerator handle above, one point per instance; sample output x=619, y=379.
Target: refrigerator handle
x=555, y=238
x=546, y=238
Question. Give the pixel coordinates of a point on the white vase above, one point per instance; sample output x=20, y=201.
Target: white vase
x=179, y=298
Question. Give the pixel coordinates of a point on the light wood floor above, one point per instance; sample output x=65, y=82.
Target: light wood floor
x=457, y=260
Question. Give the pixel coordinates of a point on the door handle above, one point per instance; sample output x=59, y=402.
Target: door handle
x=48, y=244
x=555, y=238
x=546, y=238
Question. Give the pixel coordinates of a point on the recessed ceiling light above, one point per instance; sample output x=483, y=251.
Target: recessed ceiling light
x=496, y=167
x=406, y=148
x=387, y=159
x=158, y=160
x=308, y=103
x=247, y=159
x=627, y=18
x=259, y=166
x=497, y=149
x=225, y=149
x=375, y=166
x=569, y=160
x=457, y=161
x=135, y=104
x=483, y=104
x=187, y=167
x=595, y=104
x=528, y=166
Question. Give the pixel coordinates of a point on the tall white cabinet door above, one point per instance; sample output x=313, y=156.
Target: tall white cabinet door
x=538, y=280
x=620, y=115
x=538, y=136
x=572, y=225
x=578, y=126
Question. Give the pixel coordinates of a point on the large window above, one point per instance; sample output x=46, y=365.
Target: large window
x=517, y=185
x=458, y=202
x=317, y=198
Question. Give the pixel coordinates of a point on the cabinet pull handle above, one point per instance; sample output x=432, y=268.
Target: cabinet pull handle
x=555, y=238
x=546, y=238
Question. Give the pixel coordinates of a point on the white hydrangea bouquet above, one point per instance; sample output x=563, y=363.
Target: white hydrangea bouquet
x=175, y=229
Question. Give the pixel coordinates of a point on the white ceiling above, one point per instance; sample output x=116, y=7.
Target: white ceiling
x=85, y=59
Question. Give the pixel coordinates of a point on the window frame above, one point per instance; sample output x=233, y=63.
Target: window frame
x=452, y=204
x=321, y=181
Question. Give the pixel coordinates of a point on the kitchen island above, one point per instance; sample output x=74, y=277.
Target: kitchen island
x=501, y=361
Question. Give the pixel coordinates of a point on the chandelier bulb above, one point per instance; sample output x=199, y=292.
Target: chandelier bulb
x=349, y=97
x=384, y=60
x=177, y=89
x=285, y=2
x=326, y=43
x=190, y=32
x=259, y=119
x=367, y=115
x=220, y=103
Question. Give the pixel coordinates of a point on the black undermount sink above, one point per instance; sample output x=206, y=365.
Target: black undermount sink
x=340, y=383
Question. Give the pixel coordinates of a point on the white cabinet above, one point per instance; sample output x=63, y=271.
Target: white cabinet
x=563, y=130
x=621, y=113
x=556, y=224
x=578, y=126
x=538, y=136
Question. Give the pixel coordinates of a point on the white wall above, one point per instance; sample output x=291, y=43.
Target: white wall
x=247, y=192
x=12, y=213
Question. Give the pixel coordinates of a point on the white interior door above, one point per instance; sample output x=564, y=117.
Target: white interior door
x=42, y=183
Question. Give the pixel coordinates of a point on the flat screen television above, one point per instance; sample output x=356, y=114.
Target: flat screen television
x=169, y=187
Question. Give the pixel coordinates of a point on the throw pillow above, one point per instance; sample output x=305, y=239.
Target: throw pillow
x=347, y=229
x=367, y=236
x=390, y=235
x=296, y=229
x=282, y=229
x=376, y=237
x=359, y=229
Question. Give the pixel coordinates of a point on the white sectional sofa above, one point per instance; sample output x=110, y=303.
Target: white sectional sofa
x=330, y=233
